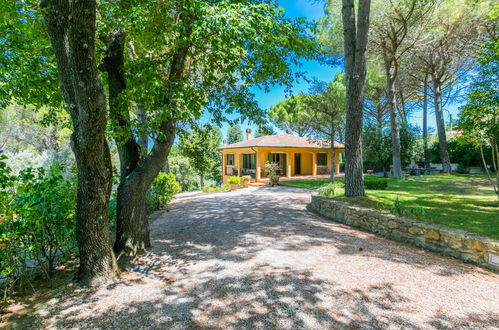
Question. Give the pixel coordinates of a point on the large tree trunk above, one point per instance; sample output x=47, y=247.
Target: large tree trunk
x=71, y=28
x=391, y=72
x=425, y=123
x=442, y=138
x=137, y=169
x=355, y=44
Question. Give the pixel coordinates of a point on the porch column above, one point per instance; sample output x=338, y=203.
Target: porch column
x=314, y=164
x=288, y=164
x=336, y=162
x=258, y=175
x=238, y=163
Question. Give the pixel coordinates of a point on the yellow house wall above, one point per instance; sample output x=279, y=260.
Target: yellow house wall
x=308, y=157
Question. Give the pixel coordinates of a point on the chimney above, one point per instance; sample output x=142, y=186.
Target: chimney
x=248, y=134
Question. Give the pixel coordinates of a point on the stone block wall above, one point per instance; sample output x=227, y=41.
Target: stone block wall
x=450, y=242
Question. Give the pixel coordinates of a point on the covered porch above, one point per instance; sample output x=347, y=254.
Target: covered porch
x=294, y=163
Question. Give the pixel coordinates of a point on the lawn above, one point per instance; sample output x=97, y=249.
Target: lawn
x=464, y=202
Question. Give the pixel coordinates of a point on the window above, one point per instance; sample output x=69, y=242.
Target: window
x=249, y=161
x=322, y=159
x=230, y=160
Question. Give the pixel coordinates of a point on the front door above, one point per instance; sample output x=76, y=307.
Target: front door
x=297, y=164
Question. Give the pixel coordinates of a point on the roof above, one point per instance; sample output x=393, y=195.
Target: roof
x=283, y=141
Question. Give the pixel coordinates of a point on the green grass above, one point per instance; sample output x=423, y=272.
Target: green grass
x=465, y=202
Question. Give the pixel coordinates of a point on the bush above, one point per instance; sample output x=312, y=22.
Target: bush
x=234, y=180
x=375, y=183
x=245, y=178
x=398, y=208
x=37, y=227
x=329, y=190
x=162, y=190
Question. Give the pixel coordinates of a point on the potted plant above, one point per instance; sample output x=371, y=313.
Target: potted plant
x=272, y=169
x=233, y=181
x=246, y=180
x=274, y=179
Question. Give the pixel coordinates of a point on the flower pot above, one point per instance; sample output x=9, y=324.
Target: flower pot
x=246, y=183
x=233, y=186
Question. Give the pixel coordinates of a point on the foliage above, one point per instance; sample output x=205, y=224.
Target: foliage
x=271, y=168
x=184, y=172
x=462, y=152
x=234, y=180
x=235, y=134
x=200, y=146
x=479, y=119
x=377, y=144
x=330, y=189
x=291, y=115
x=375, y=183
x=401, y=209
x=245, y=178
x=37, y=226
x=162, y=190
x=264, y=130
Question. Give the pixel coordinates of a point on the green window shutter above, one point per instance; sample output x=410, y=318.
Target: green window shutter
x=271, y=158
x=253, y=161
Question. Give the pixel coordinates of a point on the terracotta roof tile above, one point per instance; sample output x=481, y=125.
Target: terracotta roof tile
x=283, y=141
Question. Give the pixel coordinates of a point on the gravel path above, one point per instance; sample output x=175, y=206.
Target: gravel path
x=256, y=258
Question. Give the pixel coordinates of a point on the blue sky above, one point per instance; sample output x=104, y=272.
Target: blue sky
x=314, y=10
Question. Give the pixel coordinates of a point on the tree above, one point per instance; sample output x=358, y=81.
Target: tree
x=264, y=130
x=210, y=67
x=355, y=32
x=235, y=134
x=447, y=54
x=479, y=119
x=72, y=28
x=173, y=59
x=290, y=116
x=326, y=110
x=396, y=28
x=200, y=146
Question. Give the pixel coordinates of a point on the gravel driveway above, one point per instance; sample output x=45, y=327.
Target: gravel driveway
x=256, y=258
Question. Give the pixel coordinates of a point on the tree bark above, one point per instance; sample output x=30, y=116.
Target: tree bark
x=425, y=122
x=391, y=73
x=355, y=44
x=71, y=28
x=137, y=170
x=442, y=138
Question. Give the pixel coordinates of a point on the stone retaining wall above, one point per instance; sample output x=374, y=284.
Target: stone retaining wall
x=450, y=242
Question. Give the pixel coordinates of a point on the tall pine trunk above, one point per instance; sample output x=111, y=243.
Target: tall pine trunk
x=391, y=69
x=331, y=171
x=71, y=28
x=442, y=138
x=425, y=123
x=355, y=45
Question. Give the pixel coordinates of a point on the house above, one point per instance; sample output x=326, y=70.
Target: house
x=296, y=156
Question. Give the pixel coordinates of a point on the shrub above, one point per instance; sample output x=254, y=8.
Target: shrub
x=162, y=190
x=37, y=227
x=245, y=177
x=329, y=190
x=398, y=208
x=234, y=180
x=375, y=183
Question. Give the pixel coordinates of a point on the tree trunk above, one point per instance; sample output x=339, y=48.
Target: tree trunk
x=71, y=28
x=391, y=72
x=137, y=170
x=442, y=138
x=201, y=181
x=355, y=45
x=331, y=170
x=425, y=123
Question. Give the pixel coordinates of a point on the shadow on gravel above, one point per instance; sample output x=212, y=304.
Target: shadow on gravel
x=231, y=226
x=268, y=297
